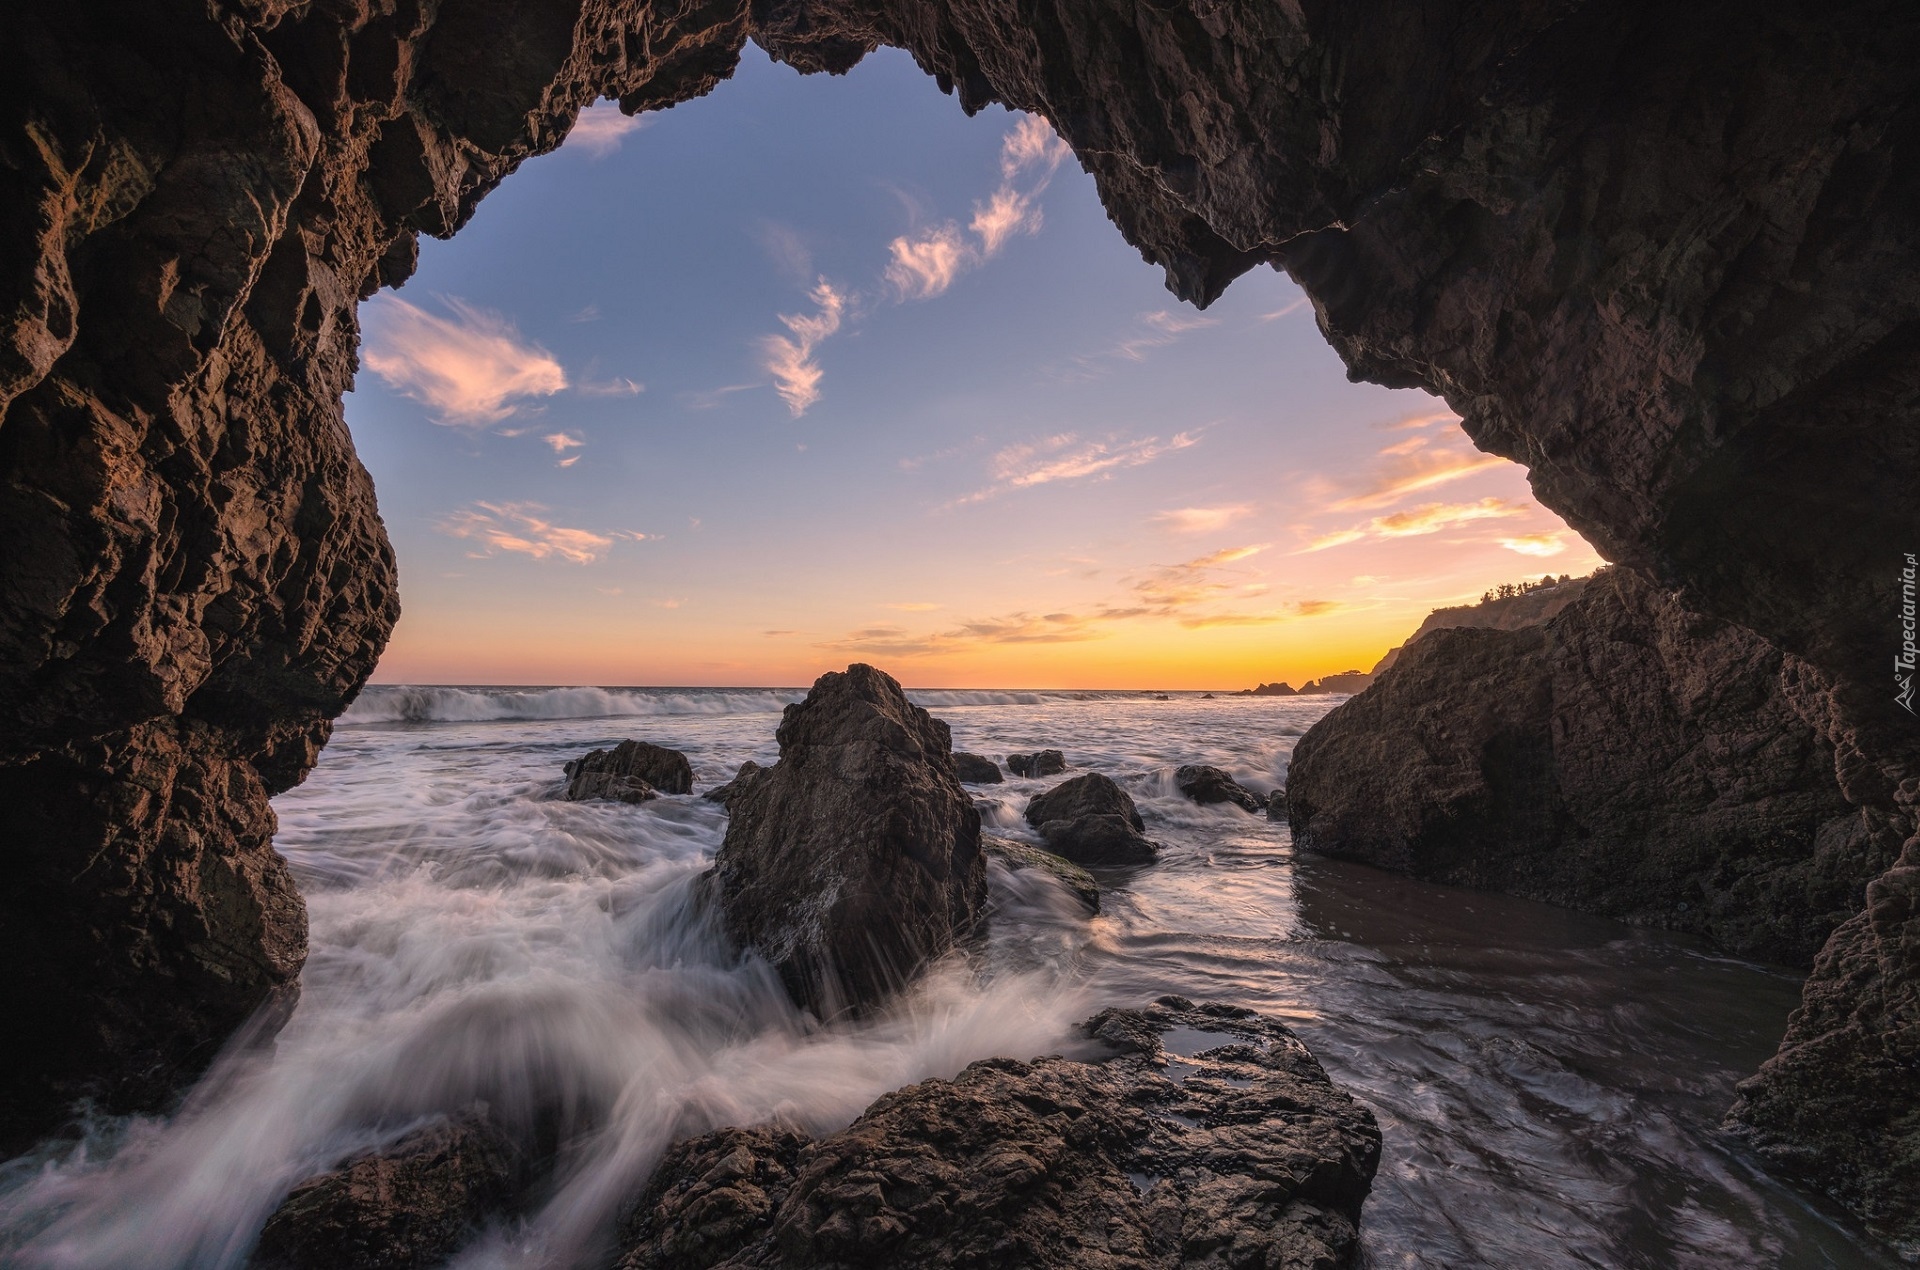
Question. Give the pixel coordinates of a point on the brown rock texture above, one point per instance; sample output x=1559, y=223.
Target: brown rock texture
x=855, y=859
x=406, y=1208
x=1626, y=757
x=1505, y=613
x=630, y=772
x=1664, y=255
x=1243, y=1154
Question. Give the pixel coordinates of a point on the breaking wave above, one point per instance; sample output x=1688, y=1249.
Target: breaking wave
x=434, y=704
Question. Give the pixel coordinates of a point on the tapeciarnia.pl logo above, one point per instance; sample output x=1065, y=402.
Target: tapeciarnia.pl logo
x=1903, y=661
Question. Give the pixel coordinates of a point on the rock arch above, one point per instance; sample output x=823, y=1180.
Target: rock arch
x=1663, y=255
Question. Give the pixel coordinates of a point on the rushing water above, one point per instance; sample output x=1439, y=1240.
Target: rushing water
x=1549, y=1085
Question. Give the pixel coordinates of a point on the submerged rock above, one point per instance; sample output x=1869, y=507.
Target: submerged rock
x=1018, y=856
x=1207, y=785
x=975, y=769
x=631, y=772
x=1277, y=804
x=749, y=772
x=1090, y=820
x=1039, y=763
x=855, y=859
x=1249, y=1156
x=1626, y=757
x=411, y=1205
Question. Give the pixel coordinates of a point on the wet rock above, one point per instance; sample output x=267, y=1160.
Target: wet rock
x=749, y=772
x=1277, y=804
x=1092, y=821
x=976, y=770
x=411, y=1205
x=1207, y=785
x=1039, y=763
x=855, y=859
x=1234, y=1151
x=1626, y=757
x=1018, y=856
x=631, y=772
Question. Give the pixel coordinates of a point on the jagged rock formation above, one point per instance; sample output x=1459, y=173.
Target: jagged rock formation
x=975, y=769
x=1502, y=613
x=409, y=1206
x=725, y=794
x=1092, y=821
x=1626, y=757
x=1252, y=1158
x=1661, y=254
x=631, y=772
x=1206, y=785
x=855, y=859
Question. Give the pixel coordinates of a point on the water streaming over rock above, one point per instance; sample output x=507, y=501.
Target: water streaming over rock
x=1548, y=1084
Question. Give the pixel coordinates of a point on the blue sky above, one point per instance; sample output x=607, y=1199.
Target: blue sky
x=817, y=369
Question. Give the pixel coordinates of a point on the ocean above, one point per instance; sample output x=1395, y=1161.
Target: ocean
x=1549, y=1084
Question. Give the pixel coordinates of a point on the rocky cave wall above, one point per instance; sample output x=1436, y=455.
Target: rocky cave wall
x=1663, y=255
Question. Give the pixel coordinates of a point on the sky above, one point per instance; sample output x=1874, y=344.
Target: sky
x=817, y=370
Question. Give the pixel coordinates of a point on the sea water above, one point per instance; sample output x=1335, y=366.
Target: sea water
x=1549, y=1085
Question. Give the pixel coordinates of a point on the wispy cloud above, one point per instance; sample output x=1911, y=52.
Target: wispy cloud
x=1419, y=419
x=616, y=387
x=1428, y=518
x=1286, y=310
x=601, y=128
x=1411, y=466
x=523, y=529
x=1156, y=329
x=916, y=606
x=925, y=264
x=470, y=368
x=561, y=443
x=789, y=358
x=1066, y=457
x=1546, y=544
x=1200, y=520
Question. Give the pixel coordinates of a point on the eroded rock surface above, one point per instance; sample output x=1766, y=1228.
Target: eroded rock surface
x=855, y=859
x=1626, y=757
x=407, y=1207
x=725, y=794
x=631, y=772
x=1243, y=1154
x=1092, y=821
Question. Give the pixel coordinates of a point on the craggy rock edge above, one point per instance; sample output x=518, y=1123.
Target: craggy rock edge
x=1662, y=255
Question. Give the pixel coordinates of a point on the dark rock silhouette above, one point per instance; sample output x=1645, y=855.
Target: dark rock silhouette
x=412, y=1205
x=855, y=859
x=631, y=772
x=1269, y=690
x=725, y=794
x=1500, y=613
x=975, y=770
x=1346, y=681
x=1091, y=821
x=1018, y=856
x=1039, y=763
x=1207, y=785
x=1250, y=1158
x=1626, y=757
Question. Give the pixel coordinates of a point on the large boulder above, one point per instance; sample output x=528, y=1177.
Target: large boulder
x=855, y=859
x=1249, y=1157
x=975, y=769
x=411, y=1205
x=1626, y=757
x=1092, y=821
x=1208, y=785
x=631, y=772
x=1038, y=763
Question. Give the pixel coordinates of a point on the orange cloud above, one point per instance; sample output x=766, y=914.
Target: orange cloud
x=1414, y=466
x=1547, y=544
x=1066, y=457
x=789, y=359
x=468, y=368
x=521, y=528
x=1200, y=520
x=1428, y=518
